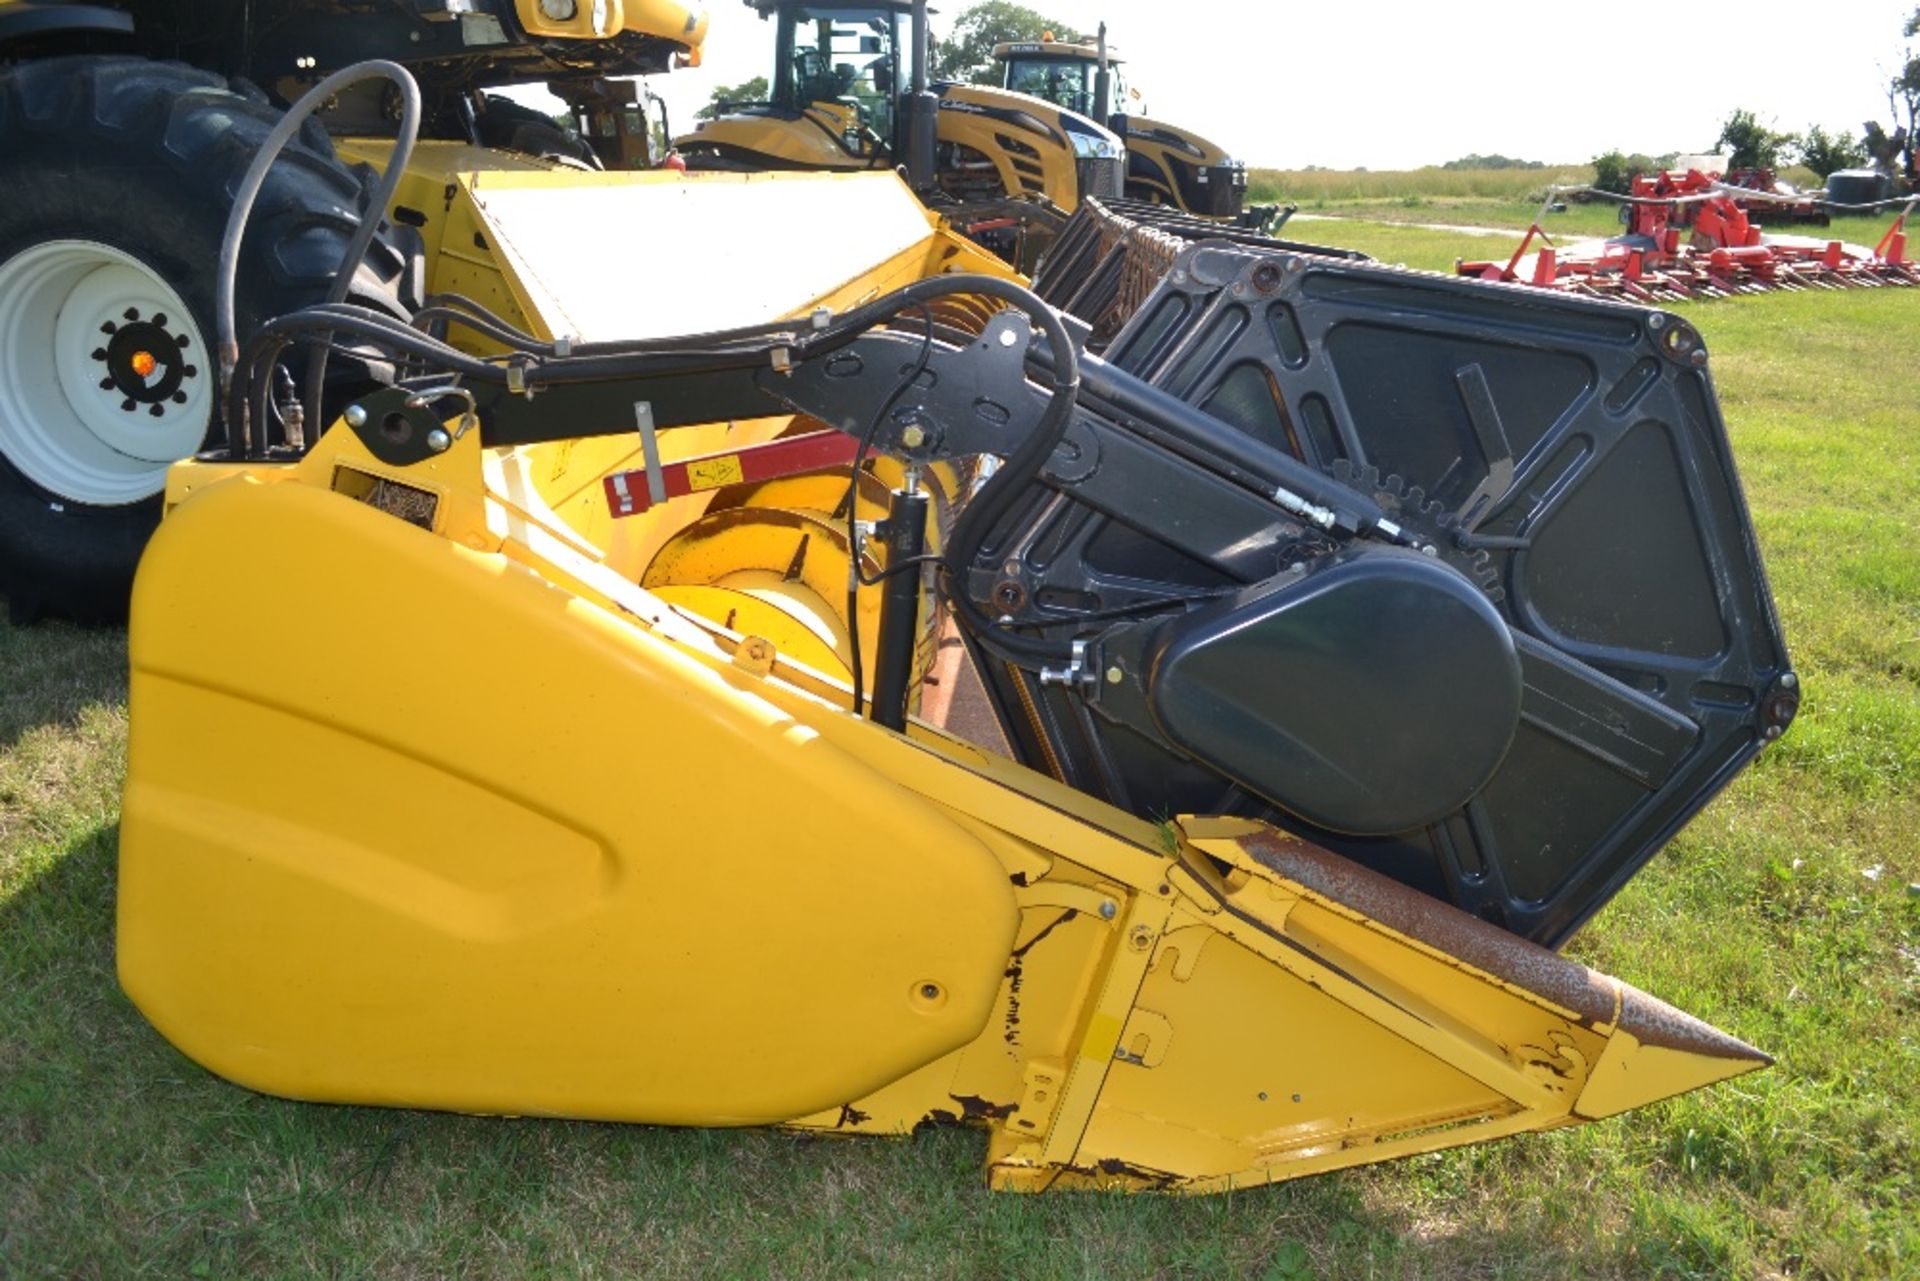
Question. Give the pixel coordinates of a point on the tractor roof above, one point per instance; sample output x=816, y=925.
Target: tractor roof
x=1046, y=47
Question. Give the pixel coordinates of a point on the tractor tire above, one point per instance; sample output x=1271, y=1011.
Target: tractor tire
x=118, y=174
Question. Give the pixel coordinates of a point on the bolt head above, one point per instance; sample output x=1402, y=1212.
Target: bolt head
x=356, y=416
x=1108, y=909
x=1789, y=681
x=913, y=436
x=1008, y=338
x=438, y=440
x=1115, y=675
x=1699, y=357
x=1657, y=321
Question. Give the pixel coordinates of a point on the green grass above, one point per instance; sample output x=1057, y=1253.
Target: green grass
x=1313, y=186
x=119, y=1158
x=1433, y=185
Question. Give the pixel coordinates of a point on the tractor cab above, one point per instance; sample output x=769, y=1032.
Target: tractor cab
x=1067, y=74
x=847, y=66
x=1166, y=164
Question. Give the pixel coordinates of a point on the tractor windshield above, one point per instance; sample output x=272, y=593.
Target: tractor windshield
x=1065, y=82
x=851, y=57
x=1068, y=83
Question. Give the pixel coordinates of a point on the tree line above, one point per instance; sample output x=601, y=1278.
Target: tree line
x=1750, y=143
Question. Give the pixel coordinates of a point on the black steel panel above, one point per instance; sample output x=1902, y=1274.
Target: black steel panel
x=1374, y=693
x=1564, y=455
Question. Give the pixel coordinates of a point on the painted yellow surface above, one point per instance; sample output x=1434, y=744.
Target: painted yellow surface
x=683, y=24
x=649, y=875
x=809, y=142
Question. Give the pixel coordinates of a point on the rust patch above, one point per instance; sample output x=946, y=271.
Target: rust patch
x=1113, y=1167
x=1486, y=947
x=975, y=1108
x=1028, y=946
x=1015, y=976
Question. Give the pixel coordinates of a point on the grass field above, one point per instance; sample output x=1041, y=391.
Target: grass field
x=1783, y=914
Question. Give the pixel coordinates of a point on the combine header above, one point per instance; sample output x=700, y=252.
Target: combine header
x=525, y=677
x=1690, y=235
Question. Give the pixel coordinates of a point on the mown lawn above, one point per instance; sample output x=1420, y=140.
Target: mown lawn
x=1784, y=914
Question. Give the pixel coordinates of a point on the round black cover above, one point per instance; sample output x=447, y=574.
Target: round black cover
x=1376, y=695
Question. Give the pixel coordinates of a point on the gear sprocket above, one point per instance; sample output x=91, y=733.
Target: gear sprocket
x=1411, y=509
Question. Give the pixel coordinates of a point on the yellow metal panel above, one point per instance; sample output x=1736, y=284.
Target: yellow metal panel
x=789, y=143
x=683, y=24
x=430, y=871
x=1059, y=176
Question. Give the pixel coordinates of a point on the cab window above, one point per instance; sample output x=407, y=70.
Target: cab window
x=1062, y=81
x=851, y=58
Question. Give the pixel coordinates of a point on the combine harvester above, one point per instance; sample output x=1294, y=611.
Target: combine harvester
x=536, y=734
x=1690, y=235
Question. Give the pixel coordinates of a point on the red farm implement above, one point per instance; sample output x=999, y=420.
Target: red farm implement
x=1691, y=236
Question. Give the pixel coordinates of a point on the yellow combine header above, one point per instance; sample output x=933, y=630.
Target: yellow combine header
x=526, y=744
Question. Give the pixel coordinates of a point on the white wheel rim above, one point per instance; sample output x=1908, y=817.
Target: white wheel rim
x=105, y=379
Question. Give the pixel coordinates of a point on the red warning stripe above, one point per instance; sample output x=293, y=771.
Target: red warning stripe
x=628, y=493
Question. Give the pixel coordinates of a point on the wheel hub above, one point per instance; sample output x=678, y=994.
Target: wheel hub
x=145, y=362
x=102, y=385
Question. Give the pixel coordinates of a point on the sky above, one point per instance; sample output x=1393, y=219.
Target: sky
x=1396, y=86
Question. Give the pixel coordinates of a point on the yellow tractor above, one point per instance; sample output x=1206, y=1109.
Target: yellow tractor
x=554, y=728
x=1166, y=165
x=850, y=91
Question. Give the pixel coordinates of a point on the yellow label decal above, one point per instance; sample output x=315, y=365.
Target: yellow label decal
x=714, y=472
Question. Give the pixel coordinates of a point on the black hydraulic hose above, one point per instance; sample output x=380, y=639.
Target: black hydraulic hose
x=856, y=667
x=1139, y=406
x=536, y=372
x=1020, y=468
x=397, y=161
x=994, y=500
x=747, y=348
x=249, y=191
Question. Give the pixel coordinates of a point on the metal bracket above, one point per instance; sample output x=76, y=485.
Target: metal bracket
x=1081, y=674
x=650, y=450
